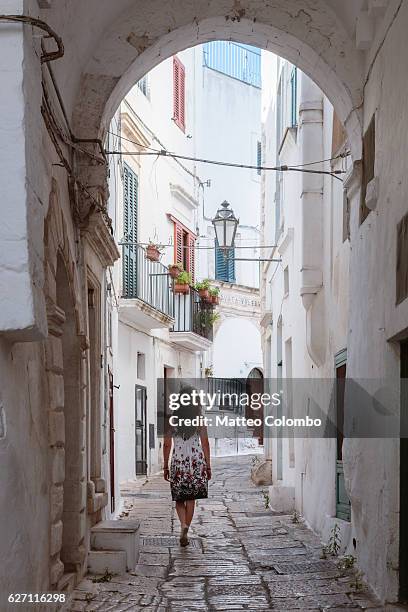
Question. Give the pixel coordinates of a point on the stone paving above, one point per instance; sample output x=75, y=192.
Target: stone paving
x=241, y=557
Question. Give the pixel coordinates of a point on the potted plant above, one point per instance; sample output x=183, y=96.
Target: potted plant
x=208, y=372
x=214, y=295
x=153, y=251
x=175, y=269
x=182, y=282
x=203, y=288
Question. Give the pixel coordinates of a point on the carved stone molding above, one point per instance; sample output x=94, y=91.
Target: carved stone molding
x=101, y=240
x=55, y=318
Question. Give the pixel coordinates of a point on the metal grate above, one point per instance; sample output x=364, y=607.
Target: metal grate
x=303, y=567
x=169, y=541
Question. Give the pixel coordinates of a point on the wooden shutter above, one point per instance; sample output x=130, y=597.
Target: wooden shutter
x=178, y=243
x=224, y=265
x=191, y=256
x=130, y=214
x=179, y=77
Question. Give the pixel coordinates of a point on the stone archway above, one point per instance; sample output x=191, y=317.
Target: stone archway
x=64, y=349
x=316, y=37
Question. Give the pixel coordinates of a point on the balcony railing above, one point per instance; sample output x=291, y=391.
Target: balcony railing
x=237, y=61
x=192, y=314
x=146, y=280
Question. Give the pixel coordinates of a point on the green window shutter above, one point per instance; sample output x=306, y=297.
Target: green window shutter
x=224, y=265
x=130, y=215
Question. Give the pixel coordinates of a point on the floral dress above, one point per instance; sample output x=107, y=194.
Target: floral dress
x=188, y=469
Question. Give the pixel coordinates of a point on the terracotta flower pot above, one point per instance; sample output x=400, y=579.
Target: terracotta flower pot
x=174, y=271
x=153, y=253
x=215, y=299
x=181, y=288
x=203, y=293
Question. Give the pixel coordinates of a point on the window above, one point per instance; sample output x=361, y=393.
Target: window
x=130, y=213
x=368, y=166
x=144, y=85
x=224, y=264
x=179, y=87
x=402, y=259
x=258, y=156
x=141, y=366
x=293, y=98
x=184, y=252
x=346, y=216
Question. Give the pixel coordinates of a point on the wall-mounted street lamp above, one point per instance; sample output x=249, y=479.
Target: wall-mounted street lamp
x=225, y=224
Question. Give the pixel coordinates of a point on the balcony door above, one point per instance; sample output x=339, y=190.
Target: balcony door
x=140, y=431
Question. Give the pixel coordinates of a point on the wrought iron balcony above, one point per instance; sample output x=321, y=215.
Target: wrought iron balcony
x=193, y=326
x=147, y=296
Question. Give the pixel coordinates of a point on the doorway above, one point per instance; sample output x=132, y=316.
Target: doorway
x=403, y=526
x=343, y=506
x=111, y=443
x=140, y=431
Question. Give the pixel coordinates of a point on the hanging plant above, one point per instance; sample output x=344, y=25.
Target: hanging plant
x=182, y=282
x=153, y=252
x=214, y=295
x=203, y=289
x=175, y=269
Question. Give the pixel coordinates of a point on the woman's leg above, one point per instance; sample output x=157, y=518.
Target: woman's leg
x=190, y=507
x=181, y=512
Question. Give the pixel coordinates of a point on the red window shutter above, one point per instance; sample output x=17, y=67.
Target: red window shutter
x=182, y=102
x=191, y=256
x=179, y=77
x=178, y=244
x=176, y=91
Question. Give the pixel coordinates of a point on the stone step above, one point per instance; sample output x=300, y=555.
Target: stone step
x=113, y=561
x=118, y=536
x=66, y=582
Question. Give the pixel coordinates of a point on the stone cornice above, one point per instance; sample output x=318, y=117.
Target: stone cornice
x=101, y=240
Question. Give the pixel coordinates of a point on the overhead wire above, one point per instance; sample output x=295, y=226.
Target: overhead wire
x=282, y=168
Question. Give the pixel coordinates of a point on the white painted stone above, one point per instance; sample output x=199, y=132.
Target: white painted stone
x=112, y=560
x=282, y=498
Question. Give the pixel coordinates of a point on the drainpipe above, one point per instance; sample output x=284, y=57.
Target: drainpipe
x=311, y=214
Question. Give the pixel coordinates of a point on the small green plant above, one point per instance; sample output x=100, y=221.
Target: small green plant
x=357, y=584
x=203, y=285
x=208, y=371
x=333, y=545
x=107, y=577
x=346, y=562
x=266, y=498
x=184, y=278
x=214, y=291
x=89, y=597
x=295, y=517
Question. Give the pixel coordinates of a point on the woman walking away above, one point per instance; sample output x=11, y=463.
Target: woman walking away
x=190, y=468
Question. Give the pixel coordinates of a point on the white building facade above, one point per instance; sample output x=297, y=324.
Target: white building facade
x=305, y=292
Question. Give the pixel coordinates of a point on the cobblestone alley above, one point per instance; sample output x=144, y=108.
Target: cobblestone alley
x=240, y=557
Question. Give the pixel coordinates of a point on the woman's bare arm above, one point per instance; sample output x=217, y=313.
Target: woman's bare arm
x=166, y=454
x=205, y=445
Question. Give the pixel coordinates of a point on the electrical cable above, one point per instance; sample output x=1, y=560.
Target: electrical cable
x=47, y=56
x=283, y=168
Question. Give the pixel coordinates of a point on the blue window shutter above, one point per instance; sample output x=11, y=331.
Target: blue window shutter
x=224, y=265
x=130, y=214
